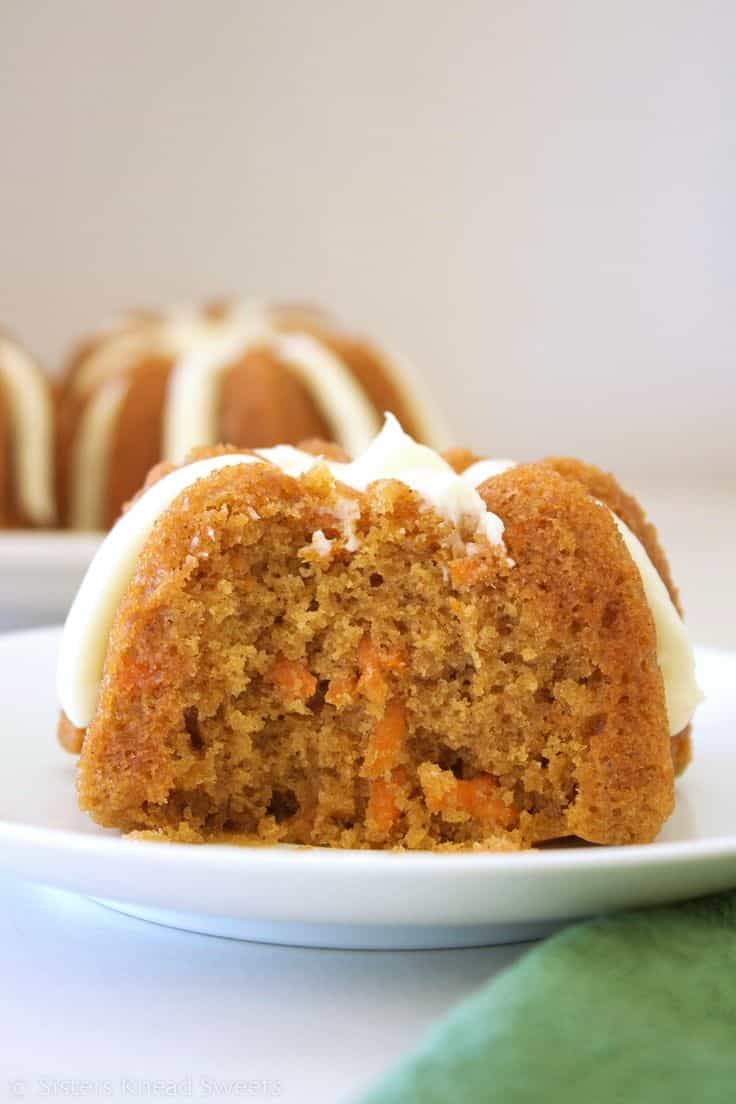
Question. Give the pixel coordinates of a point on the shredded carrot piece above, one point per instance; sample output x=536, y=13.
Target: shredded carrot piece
x=294, y=678
x=382, y=809
x=469, y=570
x=478, y=797
x=373, y=664
x=393, y=660
x=371, y=682
x=341, y=690
x=387, y=740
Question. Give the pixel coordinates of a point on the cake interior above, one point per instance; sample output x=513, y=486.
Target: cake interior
x=327, y=667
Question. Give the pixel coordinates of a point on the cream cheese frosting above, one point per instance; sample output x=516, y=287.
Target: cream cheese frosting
x=134, y=339
x=431, y=426
x=91, y=453
x=392, y=455
x=32, y=432
x=395, y=455
x=191, y=416
x=674, y=649
x=104, y=376
x=190, y=413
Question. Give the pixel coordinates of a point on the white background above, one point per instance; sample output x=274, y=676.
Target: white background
x=91, y=996
x=533, y=199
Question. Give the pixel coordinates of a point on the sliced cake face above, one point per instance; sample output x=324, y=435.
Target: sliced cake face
x=27, y=495
x=373, y=654
x=153, y=387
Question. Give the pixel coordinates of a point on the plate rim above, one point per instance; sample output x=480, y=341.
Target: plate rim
x=228, y=855
x=391, y=863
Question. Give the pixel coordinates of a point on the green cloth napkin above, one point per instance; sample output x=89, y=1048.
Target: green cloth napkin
x=634, y=1008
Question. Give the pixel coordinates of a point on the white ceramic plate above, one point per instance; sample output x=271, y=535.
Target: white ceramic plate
x=40, y=574
x=342, y=898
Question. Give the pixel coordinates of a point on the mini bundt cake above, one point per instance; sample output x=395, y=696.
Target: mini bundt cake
x=385, y=653
x=26, y=440
x=154, y=386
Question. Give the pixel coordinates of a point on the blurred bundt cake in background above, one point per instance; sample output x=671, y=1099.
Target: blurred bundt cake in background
x=155, y=385
x=26, y=439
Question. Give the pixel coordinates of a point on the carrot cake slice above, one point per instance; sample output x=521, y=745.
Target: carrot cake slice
x=402, y=651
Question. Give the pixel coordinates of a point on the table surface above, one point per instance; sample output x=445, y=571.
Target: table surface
x=113, y=1004
x=88, y=995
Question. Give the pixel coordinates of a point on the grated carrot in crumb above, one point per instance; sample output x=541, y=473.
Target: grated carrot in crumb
x=373, y=664
x=469, y=570
x=387, y=740
x=478, y=797
x=382, y=811
x=294, y=678
x=341, y=690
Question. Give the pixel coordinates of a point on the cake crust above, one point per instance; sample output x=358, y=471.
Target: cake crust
x=605, y=488
x=586, y=592
x=263, y=403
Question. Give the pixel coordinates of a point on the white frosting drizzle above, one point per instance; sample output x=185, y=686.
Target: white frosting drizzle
x=674, y=650
x=392, y=455
x=91, y=454
x=395, y=455
x=191, y=417
x=190, y=413
x=120, y=351
x=431, y=426
x=342, y=401
x=31, y=415
x=90, y=618
x=104, y=377
x=203, y=349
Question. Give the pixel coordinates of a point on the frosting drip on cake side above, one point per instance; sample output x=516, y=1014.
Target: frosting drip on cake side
x=132, y=340
x=91, y=453
x=190, y=413
x=191, y=416
x=392, y=455
x=32, y=432
x=674, y=649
